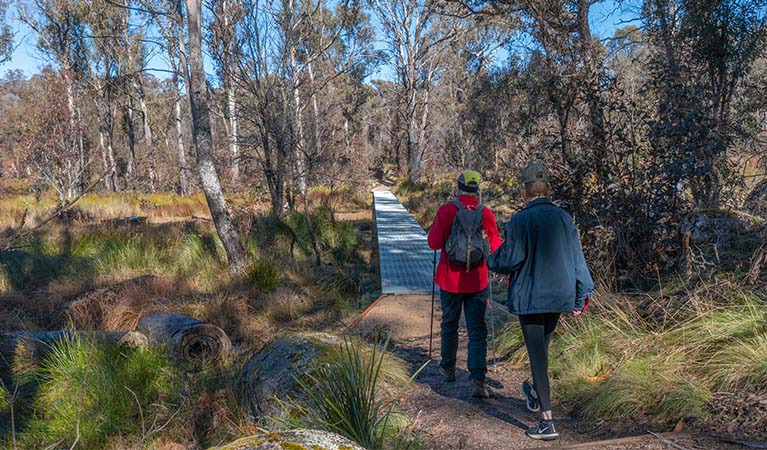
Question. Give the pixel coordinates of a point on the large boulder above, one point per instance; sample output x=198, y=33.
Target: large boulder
x=268, y=380
x=756, y=202
x=720, y=240
x=269, y=375
x=292, y=440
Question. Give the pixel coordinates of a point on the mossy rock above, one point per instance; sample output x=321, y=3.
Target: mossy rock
x=292, y=440
x=269, y=376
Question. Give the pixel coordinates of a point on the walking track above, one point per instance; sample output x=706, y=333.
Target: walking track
x=445, y=414
x=406, y=261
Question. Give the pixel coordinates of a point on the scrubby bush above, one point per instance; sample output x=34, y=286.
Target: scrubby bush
x=338, y=239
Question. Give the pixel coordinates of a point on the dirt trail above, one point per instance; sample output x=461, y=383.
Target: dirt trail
x=450, y=418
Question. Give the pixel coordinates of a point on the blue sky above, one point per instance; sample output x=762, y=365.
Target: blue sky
x=605, y=18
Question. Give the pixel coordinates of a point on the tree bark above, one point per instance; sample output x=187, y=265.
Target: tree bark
x=190, y=339
x=202, y=139
x=148, y=139
x=129, y=171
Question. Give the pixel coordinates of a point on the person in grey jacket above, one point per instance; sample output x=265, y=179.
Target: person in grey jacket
x=548, y=276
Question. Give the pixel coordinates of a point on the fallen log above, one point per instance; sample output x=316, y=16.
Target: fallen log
x=190, y=339
x=28, y=348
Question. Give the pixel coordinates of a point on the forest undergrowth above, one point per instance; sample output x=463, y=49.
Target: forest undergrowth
x=87, y=271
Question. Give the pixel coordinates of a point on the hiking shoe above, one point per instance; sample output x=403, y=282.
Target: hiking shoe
x=531, y=397
x=479, y=390
x=449, y=373
x=544, y=431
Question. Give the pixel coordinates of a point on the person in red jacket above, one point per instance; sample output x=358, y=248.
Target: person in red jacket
x=463, y=289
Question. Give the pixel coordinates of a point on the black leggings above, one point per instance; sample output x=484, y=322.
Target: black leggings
x=537, y=330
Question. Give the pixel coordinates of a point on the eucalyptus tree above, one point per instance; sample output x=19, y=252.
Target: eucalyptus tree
x=416, y=39
x=168, y=17
x=203, y=141
x=225, y=53
x=694, y=132
x=62, y=37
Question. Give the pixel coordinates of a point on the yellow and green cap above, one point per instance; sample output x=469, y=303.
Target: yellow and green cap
x=534, y=172
x=468, y=181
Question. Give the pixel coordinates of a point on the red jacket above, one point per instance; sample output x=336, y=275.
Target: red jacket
x=453, y=277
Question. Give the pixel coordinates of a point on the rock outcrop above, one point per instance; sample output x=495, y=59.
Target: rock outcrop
x=269, y=375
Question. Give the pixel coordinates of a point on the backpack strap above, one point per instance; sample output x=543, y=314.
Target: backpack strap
x=460, y=205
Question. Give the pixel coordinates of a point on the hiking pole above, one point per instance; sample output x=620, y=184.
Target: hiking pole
x=492, y=323
x=431, y=324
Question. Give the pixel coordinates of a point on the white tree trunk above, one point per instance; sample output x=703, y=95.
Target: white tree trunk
x=301, y=141
x=233, y=145
x=203, y=142
x=231, y=100
x=183, y=169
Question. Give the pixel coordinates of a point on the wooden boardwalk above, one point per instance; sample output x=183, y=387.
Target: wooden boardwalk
x=406, y=261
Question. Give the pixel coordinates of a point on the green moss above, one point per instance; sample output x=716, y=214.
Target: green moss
x=251, y=441
x=292, y=446
x=274, y=437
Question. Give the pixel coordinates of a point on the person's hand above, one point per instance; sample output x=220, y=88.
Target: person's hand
x=577, y=313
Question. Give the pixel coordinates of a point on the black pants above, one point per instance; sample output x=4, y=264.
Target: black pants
x=537, y=330
x=474, y=307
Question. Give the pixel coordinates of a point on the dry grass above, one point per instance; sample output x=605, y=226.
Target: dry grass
x=618, y=363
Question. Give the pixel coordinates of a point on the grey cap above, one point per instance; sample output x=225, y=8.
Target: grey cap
x=534, y=172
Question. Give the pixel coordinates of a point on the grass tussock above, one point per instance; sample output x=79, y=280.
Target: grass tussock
x=345, y=395
x=88, y=394
x=615, y=364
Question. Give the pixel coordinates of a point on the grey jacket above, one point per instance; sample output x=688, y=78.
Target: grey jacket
x=542, y=255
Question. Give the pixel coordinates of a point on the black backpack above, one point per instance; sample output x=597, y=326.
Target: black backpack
x=467, y=244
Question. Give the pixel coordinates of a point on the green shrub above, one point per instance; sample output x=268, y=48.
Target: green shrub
x=406, y=186
x=262, y=275
x=25, y=270
x=198, y=253
x=740, y=364
x=91, y=393
x=339, y=239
